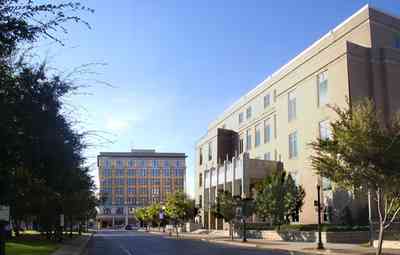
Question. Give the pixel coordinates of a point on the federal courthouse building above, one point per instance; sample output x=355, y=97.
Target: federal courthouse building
x=272, y=125
x=129, y=180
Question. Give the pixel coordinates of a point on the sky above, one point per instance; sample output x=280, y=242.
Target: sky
x=157, y=72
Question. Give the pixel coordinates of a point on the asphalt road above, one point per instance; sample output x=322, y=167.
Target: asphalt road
x=140, y=243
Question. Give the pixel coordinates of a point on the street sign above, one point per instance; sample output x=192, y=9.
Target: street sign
x=4, y=213
x=61, y=220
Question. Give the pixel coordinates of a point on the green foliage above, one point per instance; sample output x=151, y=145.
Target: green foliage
x=179, y=207
x=364, y=151
x=41, y=162
x=153, y=212
x=142, y=215
x=278, y=198
x=225, y=207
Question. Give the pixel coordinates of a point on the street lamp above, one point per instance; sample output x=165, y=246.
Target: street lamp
x=317, y=203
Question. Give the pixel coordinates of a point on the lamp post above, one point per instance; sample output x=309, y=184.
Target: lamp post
x=320, y=245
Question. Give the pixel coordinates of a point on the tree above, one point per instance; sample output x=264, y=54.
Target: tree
x=179, y=208
x=142, y=215
x=225, y=208
x=25, y=21
x=364, y=151
x=278, y=198
x=153, y=212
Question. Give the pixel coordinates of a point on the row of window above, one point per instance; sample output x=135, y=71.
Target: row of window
x=322, y=88
x=266, y=103
x=142, y=163
x=145, y=172
x=105, y=185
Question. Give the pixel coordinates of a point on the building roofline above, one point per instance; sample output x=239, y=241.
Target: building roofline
x=239, y=102
x=143, y=154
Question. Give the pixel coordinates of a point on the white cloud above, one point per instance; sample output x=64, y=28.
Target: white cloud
x=115, y=124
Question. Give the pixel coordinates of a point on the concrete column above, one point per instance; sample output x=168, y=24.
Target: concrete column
x=126, y=216
x=209, y=199
x=234, y=164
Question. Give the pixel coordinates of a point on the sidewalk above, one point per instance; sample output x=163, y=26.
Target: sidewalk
x=299, y=247
x=75, y=246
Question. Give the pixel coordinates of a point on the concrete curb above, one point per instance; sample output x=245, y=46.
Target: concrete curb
x=84, y=246
x=74, y=249
x=266, y=247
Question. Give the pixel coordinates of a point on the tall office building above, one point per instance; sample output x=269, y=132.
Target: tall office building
x=272, y=125
x=129, y=180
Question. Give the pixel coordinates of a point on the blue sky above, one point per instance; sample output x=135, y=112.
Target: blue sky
x=174, y=66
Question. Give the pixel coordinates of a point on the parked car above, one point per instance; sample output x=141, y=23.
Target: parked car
x=128, y=227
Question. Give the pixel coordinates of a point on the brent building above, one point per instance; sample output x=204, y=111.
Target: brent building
x=138, y=178
x=272, y=125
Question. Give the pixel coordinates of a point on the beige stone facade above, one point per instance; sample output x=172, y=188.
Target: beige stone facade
x=278, y=119
x=129, y=180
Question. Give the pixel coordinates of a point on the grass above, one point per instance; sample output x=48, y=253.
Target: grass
x=31, y=244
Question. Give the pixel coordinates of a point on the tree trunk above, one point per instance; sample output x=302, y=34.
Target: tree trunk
x=231, y=230
x=176, y=228
x=70, y=227
x=380, y=239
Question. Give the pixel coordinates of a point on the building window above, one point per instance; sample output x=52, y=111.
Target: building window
x=130, y=164
x=131, y=181
x=325, y=130
x=397, y=41
x=275, y=96
x=120, y=172
x=179, y=163
x=275, y=127
x=248, y=113
x=166, y=172
x=200, y=156
x=143, y=172
x=155, y=163
x=107, y=172
x=200, y=179
x=267, y=156
x=131, y=190
x=267, y=131
x=131, y=172
x=241, y=118
x=267, y=100
x=166, y=163
x=142, y=163
x=241, y=145
x=258, y=136
x=142, y=181
x=248, y=140
x=156, y=191
x=155, y=172
x=291, y=106
x=107, y=163
x=120, y=164
x=293, y=150
x=322, y=81
x=209, y=151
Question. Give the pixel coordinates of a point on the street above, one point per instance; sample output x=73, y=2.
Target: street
x=140, y=243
